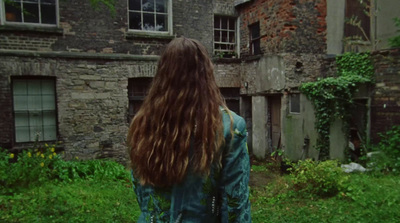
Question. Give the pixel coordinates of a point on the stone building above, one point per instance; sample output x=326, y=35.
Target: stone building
x=76, y=74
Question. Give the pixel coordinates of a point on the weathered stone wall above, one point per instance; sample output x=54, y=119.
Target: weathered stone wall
x=285, y=25
x=385, y=103
x=285, y=71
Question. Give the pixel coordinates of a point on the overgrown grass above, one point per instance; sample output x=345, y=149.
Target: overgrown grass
x=101, y=191
x=367, y=198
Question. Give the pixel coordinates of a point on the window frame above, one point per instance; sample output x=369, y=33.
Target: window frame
x=235, y=44
x=42, y=110
x=142, y=31
x=38, y=24
x=255, y=39
x=351, y=32
x=290, y=103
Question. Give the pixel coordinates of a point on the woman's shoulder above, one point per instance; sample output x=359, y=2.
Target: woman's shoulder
x=233, y=121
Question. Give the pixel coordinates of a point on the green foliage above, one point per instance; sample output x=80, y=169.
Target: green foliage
x=110, y=5
x=387, y=156
x=332, y=97
x=324, y=178
x=37, y=166
x=395, y=41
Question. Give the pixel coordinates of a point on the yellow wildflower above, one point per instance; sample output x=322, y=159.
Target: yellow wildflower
x=50, y=156
x=38, y=154
x=42, y=155
x=29, y=154
x=76, y=157
x=46, y=145
x=12, y=155
x=52, y=149
x=54, y=154
x=42, y=164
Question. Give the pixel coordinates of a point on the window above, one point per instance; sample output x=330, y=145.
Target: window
x=42, y=12
x=294, y=103
x=150, y=15
x=232, y=98
x=34, y=109
x=255, y=38
x=224, y=36
x=356, y=12
x=137, y=91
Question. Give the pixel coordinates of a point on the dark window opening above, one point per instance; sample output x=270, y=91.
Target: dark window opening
x=137, y=91
x=357, y=12
x=232, y=98
x=255, y=38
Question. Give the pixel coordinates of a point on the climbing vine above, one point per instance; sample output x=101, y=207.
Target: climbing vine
x=332, y=97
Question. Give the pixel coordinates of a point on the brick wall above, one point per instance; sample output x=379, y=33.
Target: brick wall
x=385, y=104
x=285, y=25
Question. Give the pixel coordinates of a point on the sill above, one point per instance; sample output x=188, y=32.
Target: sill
x=226, y=60
x=148, y=35
x=30, y=28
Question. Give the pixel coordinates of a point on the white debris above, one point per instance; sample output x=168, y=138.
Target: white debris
x=353, y=167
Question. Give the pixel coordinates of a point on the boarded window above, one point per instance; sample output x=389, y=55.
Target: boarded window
x=137, y=91
x=232, y=98
x=34, y=110
x=357, y=13
x=294, y=103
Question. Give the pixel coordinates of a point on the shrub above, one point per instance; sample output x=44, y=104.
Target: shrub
x=387, y=158
x=36, y=166
x=324, y=178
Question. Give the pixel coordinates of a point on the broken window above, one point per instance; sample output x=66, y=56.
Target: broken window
x=43, y=12
x=225, y=36
x=137, y=91
x=34, y=109
x=149, y=15
x=294, y=103
x=358, y=23
x=232, y=98
x=255, y=38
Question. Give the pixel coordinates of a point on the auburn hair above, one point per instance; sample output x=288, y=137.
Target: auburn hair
x=179, y=125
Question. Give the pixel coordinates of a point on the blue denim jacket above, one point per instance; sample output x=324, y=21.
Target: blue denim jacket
x=223, y=196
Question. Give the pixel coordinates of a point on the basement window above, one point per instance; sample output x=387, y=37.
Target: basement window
x=34, y=109
x=225, y=36
x=294, y=103
x=31, y=12
x=137, y=91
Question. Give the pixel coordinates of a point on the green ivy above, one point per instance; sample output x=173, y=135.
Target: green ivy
x=332, y=97
x=395, y=41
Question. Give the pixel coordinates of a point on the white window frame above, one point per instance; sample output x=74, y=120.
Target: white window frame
x=4, y=22
x=290, y=103
x=220, y=29
x=169, y=14
x=32, y=109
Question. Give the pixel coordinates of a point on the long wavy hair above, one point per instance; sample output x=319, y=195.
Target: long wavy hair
x=179, y=122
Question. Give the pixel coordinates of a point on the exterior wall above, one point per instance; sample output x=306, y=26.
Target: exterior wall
x=335, y=26
x=385, y=104
x=92, y=55
x=260, y=132
x=385, y=27
x=285, y=25
x=299, y=135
